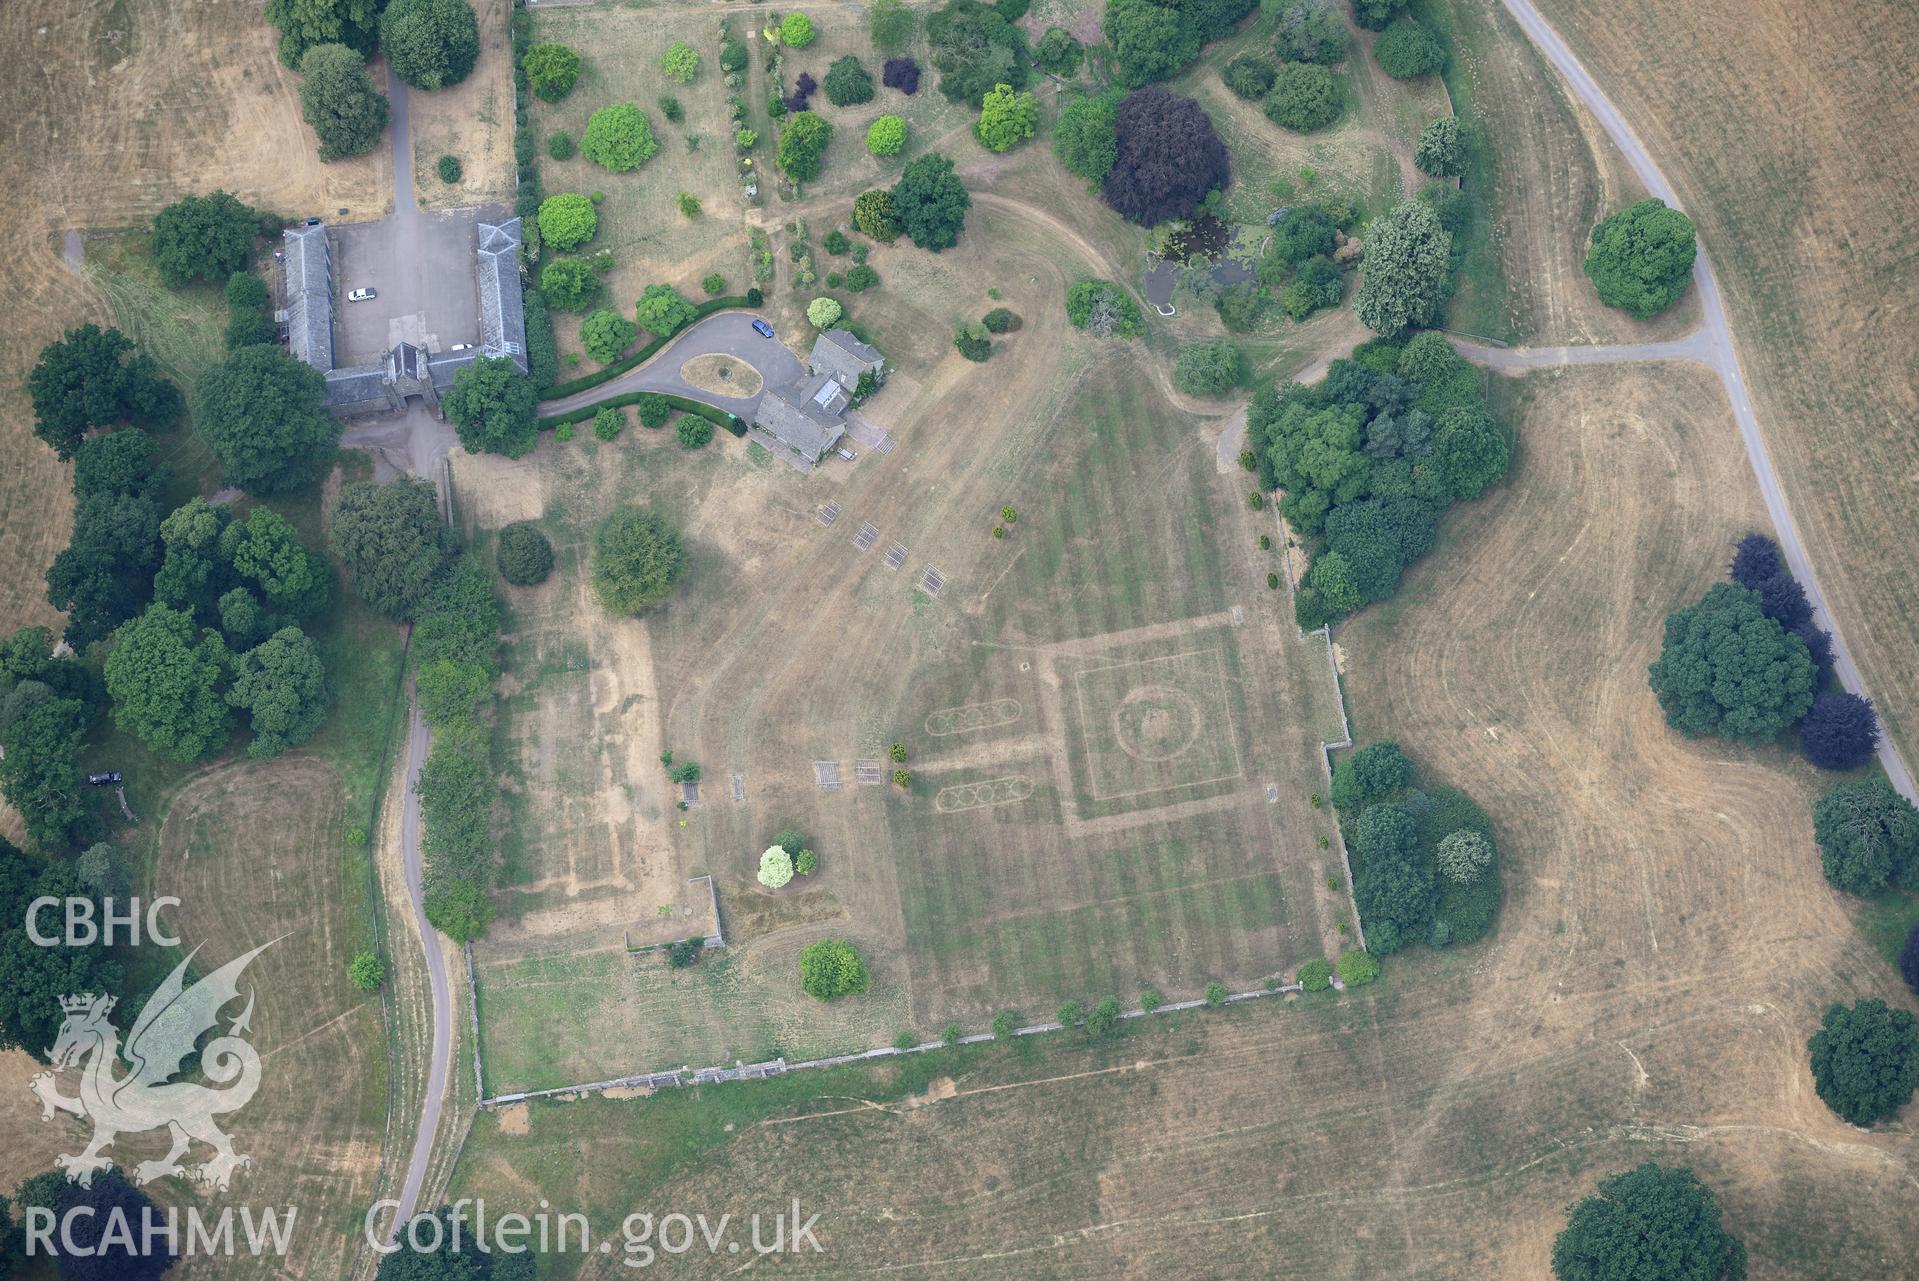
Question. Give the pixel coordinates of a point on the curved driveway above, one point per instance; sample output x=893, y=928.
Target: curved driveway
x=729, y=333
x=1711, y=346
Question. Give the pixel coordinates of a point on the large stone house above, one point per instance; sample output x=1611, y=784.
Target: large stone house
x=809, y=416
x=383, y=387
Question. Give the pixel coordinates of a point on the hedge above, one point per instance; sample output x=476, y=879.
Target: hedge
x=646, y=353
x=718, y=417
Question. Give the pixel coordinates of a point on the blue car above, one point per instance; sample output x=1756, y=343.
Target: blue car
x=763, y=329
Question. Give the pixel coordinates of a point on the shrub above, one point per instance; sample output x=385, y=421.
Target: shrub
x=848, y=83
x=950, y=1034
x=569, y=284
x=902, y=74
x=654, y=409
x=904, y=1041
x=1150, y=1000
x=1103, y=1020
x=1070, y=1014
x=1209, y=368
x=973, y=342
x=449, y=169
x=689, y=204
x=567, y=221
x=681, y=62
x=1000, y=321
x=618, y=138
x=1441, y=152
x=693, y=431
x=776, y=867
x=823, y=313
x=559, y=145
x=1316, y=975
x=902, y=778
x=606, y=333
x=1865, y=1060
x=1470, y=451
x=1007, y=118
x=1103, y=308
x=525, y=556
x=891, y=25
x=637, y=558
x=1243, y=306
x=1868, y=837
x=1407, y=50
x=1909, y=958
x=873, y=215
x=714, y=284
x=1357, y=969
x=430, y=44
x=861, y=278
x=608, y=422
x=1215, y=994
x=1727, y=669
x=796, y=31
x=1463, y=857
x=806, y=863
x=1168, y=157
x=1841, y=731
x=1305, y=97
x=1641, y=257
x=1251, y=76
x=551, y=70
x=1058, y=53
x=832, y=968
x=930, y=204
x=803, y=143
x=1004, y=1025
x=1086, y=138
x=1311, y=31
x=684, y=953
x=662, y=311
x=366, y=971
x=886, y=135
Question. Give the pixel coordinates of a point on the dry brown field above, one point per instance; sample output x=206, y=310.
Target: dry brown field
x=1785, y=129
x=115, y=110
x=1665, y=949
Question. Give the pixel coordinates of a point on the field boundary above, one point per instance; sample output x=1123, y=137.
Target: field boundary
x=1326, y=749
x=780, y=1067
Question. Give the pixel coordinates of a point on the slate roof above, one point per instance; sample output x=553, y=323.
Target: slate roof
x=798, y=421
x=309, y=273
x=837, y=351
x=359, y=386
x=446, y=364
x=502, y=318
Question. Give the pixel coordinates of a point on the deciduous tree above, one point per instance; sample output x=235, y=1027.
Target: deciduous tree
x=1305, y=97
x=392, y=541
x=930, y=203
x=1406, y=50
x=663, y=312
x=606, y=334
x=1086, y=135
x=526, y=557
x=567, y=220
x=165, y=675
x=340, y=104
x=1407, y=257
x=430, y=43
x=1865, y=1060
x=637, y=558
x=975, y=48
x=618, y=138
x=282, y=685
x=1007, y=118
x=803, y=142
x=1168, y=157
x=93, y=378
x=495, y=408
x=1641, y=257
x=1653, y=1221
x=832, y=968
x=263, y=415
x=1840, y=731
x=1441, y=150
x=305, y=23
x=203, y=238
x=551, y=70
x=848, y=83
x=33, y=978
x=40, y=774
x=1868, y=836
x=1727, y=669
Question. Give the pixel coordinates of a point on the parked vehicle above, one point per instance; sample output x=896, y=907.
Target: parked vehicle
x=461, y=346
x=361, y=295
x=109, y=779
x=763, y=329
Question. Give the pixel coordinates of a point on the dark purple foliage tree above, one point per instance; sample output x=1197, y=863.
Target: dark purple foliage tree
x=1819, y=645
x=1909, y=959
x=1782, y=598
x=902, y=74
x=1840, y=732
x=1169, y=157
x=1755, y=560
x=802, y=90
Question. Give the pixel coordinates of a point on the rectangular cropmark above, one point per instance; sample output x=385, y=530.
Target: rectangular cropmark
x=896, y=555
x=1156, y=724
x=826, y=775
x=869, y=772
x=931, y=581
x=829, y=513
x=868, y=532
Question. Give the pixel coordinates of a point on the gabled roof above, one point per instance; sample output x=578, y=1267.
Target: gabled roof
x=837, y=351
x=362, y=385
x=797, y=421
x=502, y=318
x=309, y=273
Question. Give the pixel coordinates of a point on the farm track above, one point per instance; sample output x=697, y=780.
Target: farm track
x=1711, y=345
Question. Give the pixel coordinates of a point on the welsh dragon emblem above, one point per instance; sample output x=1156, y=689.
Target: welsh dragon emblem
x=147, y=1097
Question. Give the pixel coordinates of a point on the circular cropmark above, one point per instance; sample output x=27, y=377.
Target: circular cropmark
x=1156, y=723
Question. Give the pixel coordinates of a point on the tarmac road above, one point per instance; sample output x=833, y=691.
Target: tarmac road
x=728, y=333
x=1713, y=347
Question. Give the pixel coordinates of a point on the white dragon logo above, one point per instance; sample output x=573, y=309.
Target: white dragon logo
x=147, y=1098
